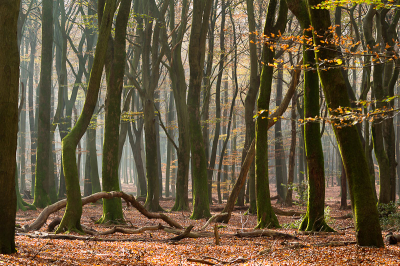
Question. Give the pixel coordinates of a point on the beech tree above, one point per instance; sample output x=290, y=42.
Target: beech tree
x=265, y=215
x=9, y=80
x=198, y=34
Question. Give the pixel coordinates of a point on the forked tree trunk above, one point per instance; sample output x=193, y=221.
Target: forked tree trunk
x=73, y=212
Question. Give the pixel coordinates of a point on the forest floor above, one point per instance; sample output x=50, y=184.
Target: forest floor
x=155, y=247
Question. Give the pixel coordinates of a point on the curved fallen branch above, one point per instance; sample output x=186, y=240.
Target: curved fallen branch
x=44, y=215
x=212, y=219
x=184, y=234
x=286, y=213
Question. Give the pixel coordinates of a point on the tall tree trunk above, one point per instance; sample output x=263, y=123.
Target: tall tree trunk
x=280, y=159
x=112, y=208
x=33, y=134
x=218, y=104
x=201, y=208
x=292, y=154
x=9, y=75
x=314, y=219
x=170, y=119
x=43, y=173
x=265, y=214
x=249, y=106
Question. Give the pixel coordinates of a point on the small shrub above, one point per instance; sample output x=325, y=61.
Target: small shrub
x=301, y=191
x=389, y=217
x=293, y=225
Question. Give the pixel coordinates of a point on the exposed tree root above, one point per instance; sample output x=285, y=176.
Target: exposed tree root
x=42, y=218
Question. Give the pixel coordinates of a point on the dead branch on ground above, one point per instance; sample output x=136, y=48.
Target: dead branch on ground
x=44, y=215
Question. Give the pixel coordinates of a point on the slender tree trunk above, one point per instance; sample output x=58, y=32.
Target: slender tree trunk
x=42, y=173
x=280, y=161
x=292, y=155
x=249, y=104
x=170, y=118
x=265, y=214
x=32, y=109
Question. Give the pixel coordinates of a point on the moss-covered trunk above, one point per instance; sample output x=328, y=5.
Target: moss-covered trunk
x=73, y=212
x=42, y=171
x=314, y=219
x=366, y=219
x=9, y=75
x=265, y=215
x=201, y=15
x=112, y=208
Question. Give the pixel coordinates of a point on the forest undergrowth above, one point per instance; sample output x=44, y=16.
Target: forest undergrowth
x=157, y=248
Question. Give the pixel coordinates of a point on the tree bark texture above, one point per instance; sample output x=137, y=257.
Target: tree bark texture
x=9, y=84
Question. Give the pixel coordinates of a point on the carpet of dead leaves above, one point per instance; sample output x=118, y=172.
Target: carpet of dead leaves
x=154, y=247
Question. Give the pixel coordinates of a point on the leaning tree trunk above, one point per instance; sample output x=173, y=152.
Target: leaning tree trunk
x=9, y=75
x=366, y=218
x=42, y=171
x=73, y=212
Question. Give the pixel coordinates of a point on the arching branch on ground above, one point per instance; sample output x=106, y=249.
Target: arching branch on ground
x=44, y=215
